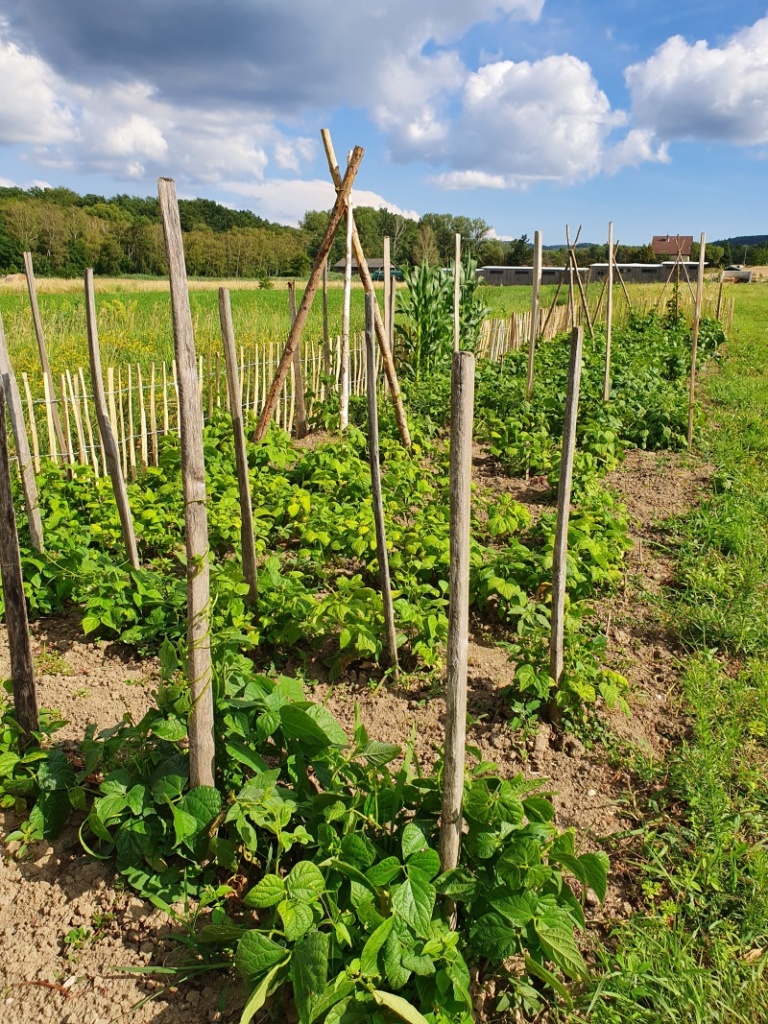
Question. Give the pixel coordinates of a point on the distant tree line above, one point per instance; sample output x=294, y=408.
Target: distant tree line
x=67, y=232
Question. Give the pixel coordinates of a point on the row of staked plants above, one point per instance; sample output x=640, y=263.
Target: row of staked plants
x=313, y=861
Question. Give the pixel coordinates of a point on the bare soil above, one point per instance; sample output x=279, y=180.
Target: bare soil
x=57, y=889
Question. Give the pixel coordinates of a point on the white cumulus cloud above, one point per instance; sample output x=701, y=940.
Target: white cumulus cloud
x=287, y=200
x=31, y=110
x=517, y=123
x=697, y=91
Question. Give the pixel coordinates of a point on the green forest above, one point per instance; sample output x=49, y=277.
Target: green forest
x=67, y=232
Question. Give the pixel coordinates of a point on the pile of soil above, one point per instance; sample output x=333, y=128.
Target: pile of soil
x=68, y=926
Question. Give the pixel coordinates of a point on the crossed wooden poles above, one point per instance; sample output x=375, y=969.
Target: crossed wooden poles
x=343, y=191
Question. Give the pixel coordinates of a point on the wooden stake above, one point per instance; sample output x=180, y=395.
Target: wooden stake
x=378, y=501
x=105, y=421
x=32, y=423
x=560, y=555
x=391, y=335
x=49, y=418
x=387, y=285
x=552, y=308
x=89, y=425
x=209, y=378
x=131, y=438
x=457, y=294
x=201, y=729
x=74, y=394
x=41, y=347
x=142, y=418
x=608, y=317
x=65, y=410
x=17, y=625
x=153, y=415
x=26, y=467
x=241, y=454
x=301, y=406
x=365, y=277
x=166, y=422
x=534, y=329
x=175, y=382
x=695, y=339
x=462, y=401
x=344, y=380
x=121, y=406
x=326, y=336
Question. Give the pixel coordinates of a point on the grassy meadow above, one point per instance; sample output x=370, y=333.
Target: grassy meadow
x=698, y=954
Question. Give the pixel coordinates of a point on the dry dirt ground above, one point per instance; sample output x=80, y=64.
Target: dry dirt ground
x=57, y=889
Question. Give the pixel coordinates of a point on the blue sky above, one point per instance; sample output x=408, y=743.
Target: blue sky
x=531, y=114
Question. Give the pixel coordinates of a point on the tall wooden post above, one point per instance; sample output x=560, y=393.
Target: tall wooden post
x=378, y=501
x=301, y=405
x=365, y=277
x=41, y=348
x=17, y=624
x=534, y=333
x=608, y=317
x=108, y=442
x=309, y=293
x=345, y=315
x=326, y=336
x=201, y=734
x=387, y=285
x=241, y=456
x=560, y=554
x=457, y=294
x=695, y=339
x=26, y=467
x=462, y=401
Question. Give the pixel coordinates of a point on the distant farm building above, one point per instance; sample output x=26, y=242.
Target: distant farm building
x=646, y=273
x=523, y=275
x=376, y=263
x=634, y=273
x=672, y=245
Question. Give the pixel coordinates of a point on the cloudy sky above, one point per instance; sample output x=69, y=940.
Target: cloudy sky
x=528, y=113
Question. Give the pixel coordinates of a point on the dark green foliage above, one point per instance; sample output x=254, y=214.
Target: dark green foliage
x=345, y=902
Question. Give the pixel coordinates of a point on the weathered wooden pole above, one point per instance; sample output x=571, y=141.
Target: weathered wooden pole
x=462, y=401
x=378, y=501
x=552, y=308
x=26, y=466
x=108, y=442
x=42, y=349
x=580, y=284
x=534, y=332
x=365, y=277
x=301, y=404
x=560, y=554
x=695, y=339
x=457, y=294
x=17, y=624
x=326, y=336
x=387, y=286
x=201, y=734
x=608, y=317
x=309, y=293
x=241, y=455
x=345, y=316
